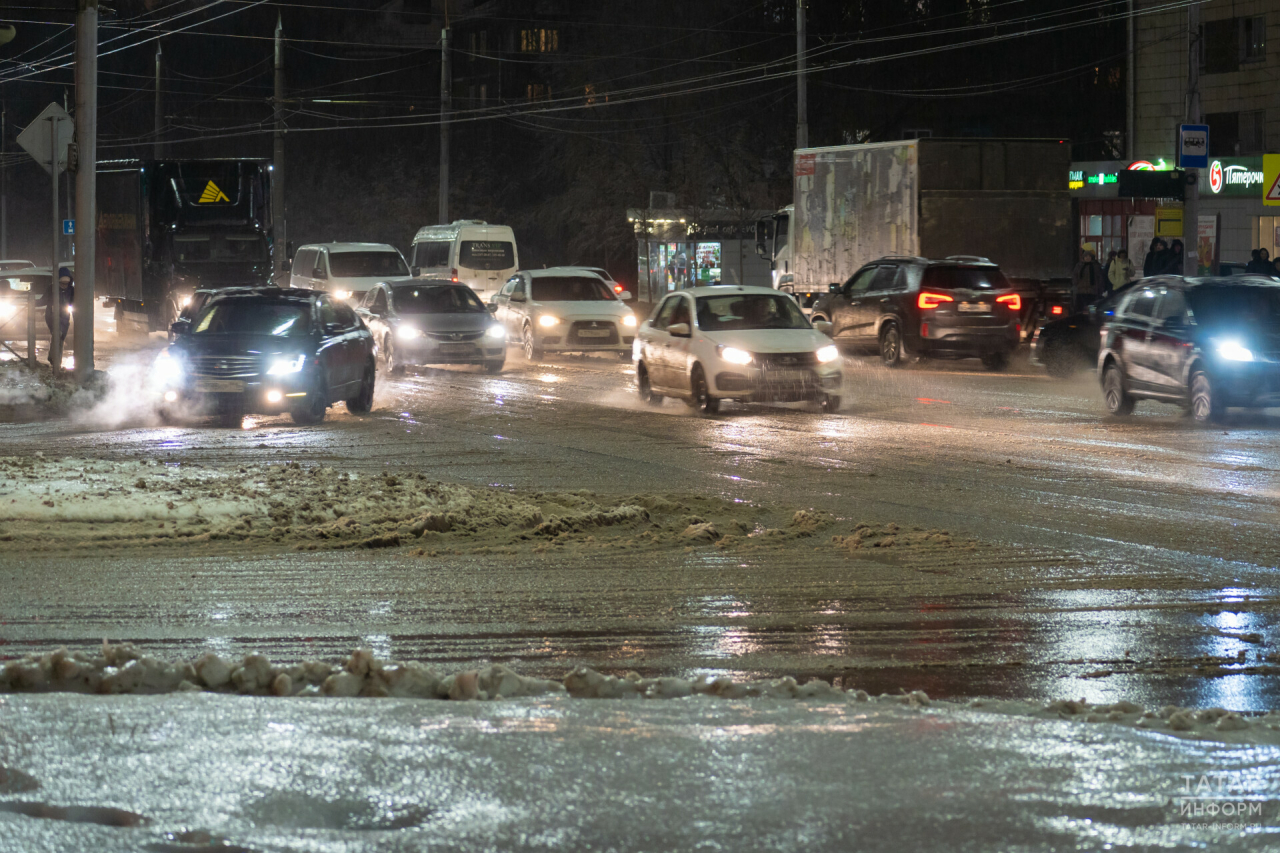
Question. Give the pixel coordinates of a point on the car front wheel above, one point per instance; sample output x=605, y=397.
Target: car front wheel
x=1117, y=398
x=362, y=402
x=1206, y=402
x=702, y=400
x=891, y=345
x=643, y=385
x=532, y=351
x=317, y=401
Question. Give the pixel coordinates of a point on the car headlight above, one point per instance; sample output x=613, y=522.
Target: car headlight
x=495, y=333
x=8, y=309
x=827, y=354
x=286, y=364
x=342, y=294
x=733, y=355
x=408, y=333
x=1233, y=351
x=184, y=302
x=167, y=370
x=629, y=321
x=546, y=321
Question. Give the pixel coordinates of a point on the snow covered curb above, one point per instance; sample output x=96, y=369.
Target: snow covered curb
x=121, y=669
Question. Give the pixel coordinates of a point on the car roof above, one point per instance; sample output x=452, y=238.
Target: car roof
x=728, y=289
x=352, y=247
x=1248, y=280
x=298, y=294
x=432, y=280
x=582, y=272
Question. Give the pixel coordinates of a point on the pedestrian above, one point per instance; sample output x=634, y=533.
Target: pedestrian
x=1121, y=272
x=1086, y=281
x=1173, y=264
x=1156, y=257
x=63, y=294
x=1261, y=263
x=1111, y=257
x=1275, y=268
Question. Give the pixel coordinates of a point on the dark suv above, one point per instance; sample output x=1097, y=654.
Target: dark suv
x=1202, y=343
x=959, y=307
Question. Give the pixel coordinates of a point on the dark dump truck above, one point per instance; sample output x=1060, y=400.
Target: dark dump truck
x=168, y=227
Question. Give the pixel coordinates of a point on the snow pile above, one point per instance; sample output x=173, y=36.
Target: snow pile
x=122, y=669
x=866, y=536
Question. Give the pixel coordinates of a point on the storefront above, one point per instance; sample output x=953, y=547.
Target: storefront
x=1233, y=219
x=687, y=248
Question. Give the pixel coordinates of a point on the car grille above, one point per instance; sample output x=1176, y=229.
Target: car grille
x=595, y=326
x=226, y=366
x=455, y=337
x=785, y=360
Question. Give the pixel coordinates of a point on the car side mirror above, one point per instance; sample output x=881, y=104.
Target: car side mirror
x=1093, y=311
x=493, y=307
x=1175, y=324
x=319, y=272
x=287, y=265
x=518, y=297
x=679, y=330
x=833, y=288
x=415, y=271
x=180, y=327
x=332, y=328
x=824, y=327
x=625, y=296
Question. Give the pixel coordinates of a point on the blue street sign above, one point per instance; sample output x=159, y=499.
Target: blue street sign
x=68, y=226
x=1193, y=146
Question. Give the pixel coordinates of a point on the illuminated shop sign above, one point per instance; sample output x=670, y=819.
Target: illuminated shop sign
x=1239, y=177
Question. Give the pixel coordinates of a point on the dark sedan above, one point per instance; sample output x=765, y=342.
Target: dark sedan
x=1068, y=344
x=268, y=351
x=1205, y=344
x=432, y=321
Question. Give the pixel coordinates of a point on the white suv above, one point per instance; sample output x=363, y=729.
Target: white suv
x=564, y=309
x=346, y=270
x=753, y=344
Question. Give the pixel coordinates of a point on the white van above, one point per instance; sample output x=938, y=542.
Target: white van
x=346, y=270
x=469, y=251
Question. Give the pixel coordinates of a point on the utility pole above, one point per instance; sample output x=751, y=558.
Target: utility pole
x=86, y=214
x=445, y=99
x=4, y=185
x=279, y=239
x=802, y=88
x=68, y=251
x=159, y=132
x=55, y=295
x=1132, y=91
x=1191, y=205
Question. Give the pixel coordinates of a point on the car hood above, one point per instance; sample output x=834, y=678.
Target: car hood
x=240, y=345
x=446, y=322
x=771, y=340
x=357, y=283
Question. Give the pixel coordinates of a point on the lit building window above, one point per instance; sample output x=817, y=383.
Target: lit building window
x=539, y=41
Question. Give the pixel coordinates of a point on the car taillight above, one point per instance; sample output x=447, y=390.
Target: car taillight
x=453, y=274
x=1013, y=300
x=932, y=300
x=617, y=288
x=1055, y=310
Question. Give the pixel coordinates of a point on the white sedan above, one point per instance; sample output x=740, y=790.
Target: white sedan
x=564, y=309
x=725, y=342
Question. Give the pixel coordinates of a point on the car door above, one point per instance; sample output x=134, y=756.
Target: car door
x=502, y=299
x=376, y=312
x=354, y=345
x=877, y=303
x=1169, y=339
x=517, y=308
x=655, y=341
x=300, y=270
x=331, y=353
x=676, y=353
x=847, y=304
x=1133, y=339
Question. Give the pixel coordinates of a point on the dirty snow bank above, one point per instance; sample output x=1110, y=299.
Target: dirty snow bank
x=121, y=669
x=101, y=504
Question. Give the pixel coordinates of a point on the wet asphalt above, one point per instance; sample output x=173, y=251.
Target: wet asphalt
x=1123, y=558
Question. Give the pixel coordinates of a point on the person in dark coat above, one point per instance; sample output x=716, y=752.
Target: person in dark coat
x=64, y=294
x=1261, y=263
x=1088, y=283
x=1156, y=257
x=1174, y=260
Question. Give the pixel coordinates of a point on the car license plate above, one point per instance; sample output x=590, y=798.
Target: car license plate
x=787, y=377
x=975, y=308
x=455, y=347
x=593, y=333
x=219, y=386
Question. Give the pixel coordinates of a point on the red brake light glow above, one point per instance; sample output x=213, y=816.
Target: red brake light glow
x=1013, y=300
x=617, y=288
x=1055, y=310
x=932, y=300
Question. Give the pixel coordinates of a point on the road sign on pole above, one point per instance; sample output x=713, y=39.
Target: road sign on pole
x=36, y=139
x=1193, y=146
x=68, y=226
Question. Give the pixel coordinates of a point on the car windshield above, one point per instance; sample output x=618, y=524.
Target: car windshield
x=737, y=311
x=571, y=289
x=442, y=299
x=190, y=248
x=1236, y=305
x=254, y=317
x=486, y=255
x=964, y=278
x=366, y=264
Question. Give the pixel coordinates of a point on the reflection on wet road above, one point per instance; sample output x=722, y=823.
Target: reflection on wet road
x=1130, y=557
